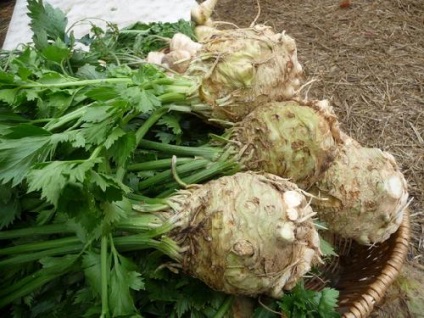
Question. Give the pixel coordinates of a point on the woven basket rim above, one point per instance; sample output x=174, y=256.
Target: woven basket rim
x=364, y=305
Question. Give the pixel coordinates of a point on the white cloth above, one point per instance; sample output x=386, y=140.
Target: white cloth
x=121, y=12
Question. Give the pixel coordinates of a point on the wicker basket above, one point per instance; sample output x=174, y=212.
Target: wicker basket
x=363, y=274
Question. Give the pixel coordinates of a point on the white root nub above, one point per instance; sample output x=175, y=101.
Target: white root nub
x=292, y=214
x=155, y=57
x=201, y=14
x=182, y=42
x=394, y=187
x=293, y=198
x=285, y=232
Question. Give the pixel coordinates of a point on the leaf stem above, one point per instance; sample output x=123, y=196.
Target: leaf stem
x=104, y=276
x=76, y=82
x=95, y=152
x=168, y=81
x=144, y=199
x=159, y=178
x=38, y=246
x=24, y=258
x=225, y=307
x=213, y=170
x=139, y=242
x=153, y=118
x=35, y=281
x=35, y=230
x=141, y=222
x=156, y=164
x=141, y=131
x=58, y=122
x=172, y=97
x=210, y=153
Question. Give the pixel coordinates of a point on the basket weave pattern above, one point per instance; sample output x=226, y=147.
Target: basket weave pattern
x=362, y=274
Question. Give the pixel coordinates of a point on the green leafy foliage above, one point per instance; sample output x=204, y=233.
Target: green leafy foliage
x=47, y=23
x=123, y=278
x=18, y=155
x=168, y=294
x=91, y=264
x=147, y=37
x=326, y=248
x=11, y=208
x=136, y=40
x=304, y=303
x=51, y=178
x=69, y=124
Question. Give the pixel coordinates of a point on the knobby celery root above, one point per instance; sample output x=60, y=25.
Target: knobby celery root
x=177, y=57
x=240, y=69
x=237, y=69
x=292, y=139
x=363, y=194
x=245, y=234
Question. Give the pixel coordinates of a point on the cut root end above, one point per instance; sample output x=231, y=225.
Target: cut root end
x=201, y=14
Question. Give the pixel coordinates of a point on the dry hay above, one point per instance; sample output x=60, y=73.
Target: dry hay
x=368, y=60
x=6, y=9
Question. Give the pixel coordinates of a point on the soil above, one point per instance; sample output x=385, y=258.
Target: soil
x=367, y=58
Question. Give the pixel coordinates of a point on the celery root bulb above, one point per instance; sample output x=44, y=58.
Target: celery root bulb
x=364, y=194
x=240, y=69
x=293, y=139
x=246, y=234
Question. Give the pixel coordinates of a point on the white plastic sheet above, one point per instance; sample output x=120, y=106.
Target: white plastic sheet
x=80, y=12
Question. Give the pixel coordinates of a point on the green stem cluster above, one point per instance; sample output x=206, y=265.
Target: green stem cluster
x=150, y=233
x=197, y=164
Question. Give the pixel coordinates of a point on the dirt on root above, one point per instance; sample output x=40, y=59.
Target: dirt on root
x=367, y=58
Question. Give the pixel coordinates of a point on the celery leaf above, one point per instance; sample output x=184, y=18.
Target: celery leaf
x=326, y=248
x=92, y=270
x=123, y=149
x=304, y=303
x=172, y=122
x=51, y=178
x=18, y=155
x=10, y=207
x=115, y=211
x=327, y=301
x=123, y=278
x=47, y=23
x=58, y=52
